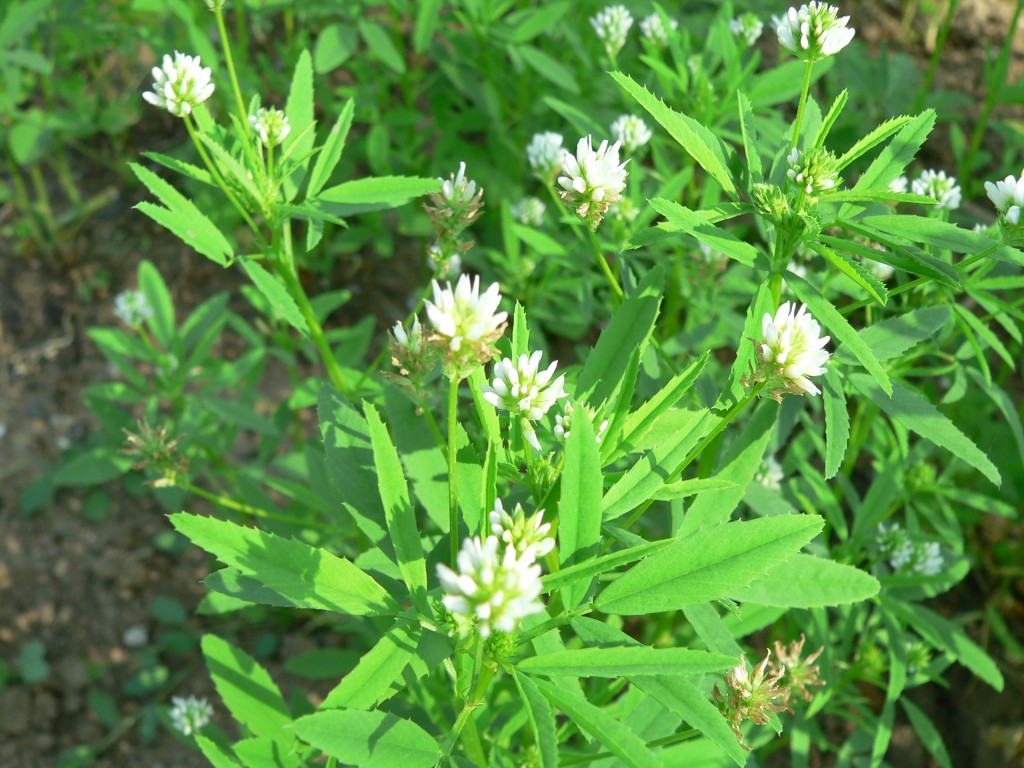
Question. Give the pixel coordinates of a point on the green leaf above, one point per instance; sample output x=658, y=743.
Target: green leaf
x=389, y=191
x=738, y=467
x=948, y=637
x=926, y=731
x=913, y=411
x=699, y=141
x=805, y=581
x=541, y=717
x=308, y=576
x=855, y=271
x=579, y=507
x=629, y=329
x=830, y=118
x=751, y=148
x=875, y=137
x=381, y=46
x=682, y=218
x=837, y=422
x=277, y=296
x=180, y=166
x=620, y=662
x=708, y=565
x=428, y=14
x=607, y=729
x=183, y=218
x=894, y=159
x=683, y=488
x=933, y=232
x=335, y=44
x=403, y=654
x=398, y=512
x=299, y=110
x=330, y=153
x=598, y=565
x=826, y=314
x=219, y=755
x=263, y=753
x=94, y=467
x=548, y=67
x=247, y=690
x=369, y=739
x=231, y=582
x=893, y=337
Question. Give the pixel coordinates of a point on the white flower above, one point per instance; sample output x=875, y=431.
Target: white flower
x=522, y=389
x=488, y=591
x=748, y=27
x=879, y=269
x=928, y=559
x=812, y=171
x=631, y=132
x=411, y=340
x=132, y=308
x=189, y=715
x=544, y=153
x=899, y=184
x=770, y=474
x=458, y=190
x=612, y=25
x=529, y=211
x=527, y=535
x=593, y=180
x=563, y=423
x=467, y=323
x=180, y=84
x=653, y=29
x=271, y=125
x=938, y=186
x=1008, y=197
x=793, y=349
x=814, y=31
x=443, y=267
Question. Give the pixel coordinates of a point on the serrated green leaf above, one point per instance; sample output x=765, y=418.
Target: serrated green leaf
x=933, y=232
x=398, y=511
x=330, y=152
x=748, y=131
x=702, y=145
x=893, y=337
x=826, y=314
x=914, y=412
x=579, y=506
x=277, y=296
x=805, y=581
x=541, y=717
x=894, y=159
x=598, y=565
x=855, y=271
x=618, y=738
x=299, y=110
x=622, y=662
x=837, y=422
x=383, y=190
x=873, y=138
x=682, y=218
x=708, y=565
x=369, y=739
x=247, y=690
x=308, y=576
x=180, y=166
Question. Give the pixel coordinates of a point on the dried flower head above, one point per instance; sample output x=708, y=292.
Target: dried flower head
x=132, y=308
x=271, y=125
x=653, y=30
x=631, y=132
x=466, y=323
x=156, y=450
x=752, y=695
x=527, y=535
x=490, y=591
x=938, y=186
x=180, y=84
x=529, y=211
x=612, y=26
x=813, y=31
x=544, y=153
x=747, y=27
x=801, y=674
x=189, y=715
x=792, y=350
x=593, y=180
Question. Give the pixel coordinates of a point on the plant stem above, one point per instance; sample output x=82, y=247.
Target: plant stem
x=599, y=254
x=453, y=493
x=243, y=113
x=800, y=106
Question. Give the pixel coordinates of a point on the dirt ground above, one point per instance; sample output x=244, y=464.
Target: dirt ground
x=84, y=588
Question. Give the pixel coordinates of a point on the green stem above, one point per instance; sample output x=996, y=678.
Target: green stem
x=560, y=206
x=800, y=107
x=243, y=113
x=453, y=493
x=238, y=506
x=603, y=263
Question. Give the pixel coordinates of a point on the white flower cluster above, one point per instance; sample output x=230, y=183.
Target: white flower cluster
x=458, y=190
x=271, y=125
x=792, y=350
x=938, y=186
x=522, y=533
x=612, y=25
x=1008, y=197
x=904, y=554
x=189, y=715
x=529, y=211
x=563, y=423
x=132, y=308
x=813, y=31
x=522, y=389
x=593, y=180
x=631, y=132
x=770, y=474
x=544, y=153
x=466, y=322
x=491, y=591
x=180, y=84
x=653, y=30
x=747, y=27
x=812, y=171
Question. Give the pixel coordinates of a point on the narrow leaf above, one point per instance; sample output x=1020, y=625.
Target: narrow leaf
x=579, y=507
x=682, y=218
x=330, y=153
x=621, y=662
x=277, y=296
x=383, y=190
x=837, y=422
x=369, y=739
x=805, y=581
x=541, y=717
